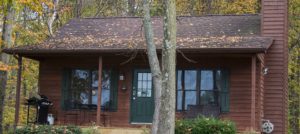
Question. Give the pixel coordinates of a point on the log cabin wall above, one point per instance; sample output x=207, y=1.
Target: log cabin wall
x=274, y=24
x=240, y=86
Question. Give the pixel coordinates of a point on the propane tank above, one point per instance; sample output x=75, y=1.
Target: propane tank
x=50, y=119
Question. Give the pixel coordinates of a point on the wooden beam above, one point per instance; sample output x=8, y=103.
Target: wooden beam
x=99, y=91
x=17, y=104
x=253, y=88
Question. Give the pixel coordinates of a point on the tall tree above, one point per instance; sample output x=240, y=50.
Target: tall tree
x=167, y=109
x=78, y=8
x=52, y=17
x=163, y=79
x=6, y=42
x=131, y=7
x=154, y=65
x=294, y=66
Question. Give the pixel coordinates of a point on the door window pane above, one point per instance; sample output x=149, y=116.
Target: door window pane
x=145, y=76
x=140, y=76
x=149, y=85
x=149, y=76
x=144, y=85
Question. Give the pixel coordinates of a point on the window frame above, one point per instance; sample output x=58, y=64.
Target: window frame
x=183, y=87
x=215, y=90
x=90, y=70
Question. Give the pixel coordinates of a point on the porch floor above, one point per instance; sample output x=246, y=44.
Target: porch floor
x=115, y=130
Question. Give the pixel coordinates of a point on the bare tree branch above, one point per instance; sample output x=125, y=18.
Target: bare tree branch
x=133, y=55
x=188, y=59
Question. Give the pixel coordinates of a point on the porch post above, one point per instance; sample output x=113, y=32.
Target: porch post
x=253, y=87
x=99, y=91
x=17, y=104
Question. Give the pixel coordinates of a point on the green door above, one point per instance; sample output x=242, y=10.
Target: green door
x=142, y=102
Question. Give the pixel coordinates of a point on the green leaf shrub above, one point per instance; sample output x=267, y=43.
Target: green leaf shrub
x=203, y=125
x=48, y=129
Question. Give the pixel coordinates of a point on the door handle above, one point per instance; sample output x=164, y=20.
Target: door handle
x=133, y=98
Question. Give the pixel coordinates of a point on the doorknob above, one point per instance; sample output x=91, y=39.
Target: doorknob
x=133, y=98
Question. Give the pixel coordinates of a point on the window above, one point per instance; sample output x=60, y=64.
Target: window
x=202, y=87
x=81, y=89
x=208, y=92
x=186, y=91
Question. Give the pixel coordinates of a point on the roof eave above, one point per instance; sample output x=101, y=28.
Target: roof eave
x=99, y=51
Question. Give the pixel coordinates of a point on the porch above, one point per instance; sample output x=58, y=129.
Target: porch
x=241, y=103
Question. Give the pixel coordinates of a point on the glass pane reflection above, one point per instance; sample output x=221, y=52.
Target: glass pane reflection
x=190, y=98
x=144, y=85
x=207, y=80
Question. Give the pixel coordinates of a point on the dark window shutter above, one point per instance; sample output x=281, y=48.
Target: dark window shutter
x=65, y=83
x=224, y=95
x=114, y=89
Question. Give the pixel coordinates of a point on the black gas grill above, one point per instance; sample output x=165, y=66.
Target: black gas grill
x=41, y=104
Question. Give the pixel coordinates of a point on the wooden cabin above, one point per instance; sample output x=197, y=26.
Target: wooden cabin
x=231, y=66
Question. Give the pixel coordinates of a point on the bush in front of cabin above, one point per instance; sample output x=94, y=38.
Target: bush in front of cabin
x=203, y=125
x=48, y=129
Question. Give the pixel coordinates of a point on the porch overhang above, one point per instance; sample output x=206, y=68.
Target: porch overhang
x=247, y=45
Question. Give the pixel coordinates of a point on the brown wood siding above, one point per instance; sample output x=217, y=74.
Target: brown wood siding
x=274, y=24
x=240, y=86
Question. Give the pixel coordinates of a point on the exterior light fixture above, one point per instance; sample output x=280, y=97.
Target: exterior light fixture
x=123, y=83
x=121, y=77
x=265, y=70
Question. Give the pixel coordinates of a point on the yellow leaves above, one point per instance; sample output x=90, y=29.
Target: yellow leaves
x=1, y=43
x=4, y=67
x=194, y=7
x=29, y=36
x=36, y=5
x=238, y=7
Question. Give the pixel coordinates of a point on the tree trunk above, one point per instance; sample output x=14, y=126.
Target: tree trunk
x=7, y=42
x=78, y=8
x=164, y=82
x=167, y=109
x=154, y=65
x=52, y=17
x=192, y=4
x=294, y=95
x=131, y=7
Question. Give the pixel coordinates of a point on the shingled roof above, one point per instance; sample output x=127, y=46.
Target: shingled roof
x=115, y=34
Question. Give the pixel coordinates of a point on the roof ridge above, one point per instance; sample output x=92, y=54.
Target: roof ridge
x=208, y=15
